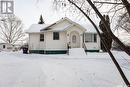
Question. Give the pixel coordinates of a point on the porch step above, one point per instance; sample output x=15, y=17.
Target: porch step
x=77, y=52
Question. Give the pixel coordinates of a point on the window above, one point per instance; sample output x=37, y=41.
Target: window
x=41, y=37
x=74, y=39
x=95, y=37
x=90, y=37
x=55, y=35
x=3, y=46
x=9, y=48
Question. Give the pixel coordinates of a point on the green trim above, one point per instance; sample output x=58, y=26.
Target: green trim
x=37, y=51
x=56, y=52
x=48, y=51
x=91, y=50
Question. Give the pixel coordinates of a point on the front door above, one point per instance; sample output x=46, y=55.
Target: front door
x=75, y=40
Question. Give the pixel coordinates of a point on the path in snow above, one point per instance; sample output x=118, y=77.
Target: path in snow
x=77, y=52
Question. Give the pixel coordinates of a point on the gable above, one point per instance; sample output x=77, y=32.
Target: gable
x=60, y=26
x=63, y=24
x=75, y=28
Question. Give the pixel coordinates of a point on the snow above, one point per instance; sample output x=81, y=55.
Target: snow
x=78, y=52
x=35, y=28
x=36, y=70
x=90, y=28
x=61, y=28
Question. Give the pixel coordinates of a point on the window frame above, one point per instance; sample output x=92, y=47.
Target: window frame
x=41, y=37
x=95, y=38
x=92, y=38
x=74, y=39
x=4, y=46
x=56, y=36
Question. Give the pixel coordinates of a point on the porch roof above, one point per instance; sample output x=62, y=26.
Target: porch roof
x=90, y=28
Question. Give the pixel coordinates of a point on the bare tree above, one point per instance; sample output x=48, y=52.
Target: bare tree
x=119, y=10
x=81, y=6
x=127, y=5
x=106, y=25
x=11, y=29
x=86, y=7
x=105, y=34
x=123, y=23
x=123, y=47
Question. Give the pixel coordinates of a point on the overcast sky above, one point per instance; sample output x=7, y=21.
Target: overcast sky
x=29, y=12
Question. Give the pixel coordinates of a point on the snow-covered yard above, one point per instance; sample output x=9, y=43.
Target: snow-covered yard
x=35, y=70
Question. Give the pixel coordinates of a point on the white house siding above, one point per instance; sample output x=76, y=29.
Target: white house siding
x=60, y=44
x=75, y=28
x=99, y=42
x=8, y=47
x=1, y=47
x=93, y=45
x=67, y=29
x=34, y=42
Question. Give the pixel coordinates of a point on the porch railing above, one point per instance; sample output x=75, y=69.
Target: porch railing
x=68, y=47
x=84, y=46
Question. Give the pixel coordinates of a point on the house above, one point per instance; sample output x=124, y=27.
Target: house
x=6, y=47
x=57, y=37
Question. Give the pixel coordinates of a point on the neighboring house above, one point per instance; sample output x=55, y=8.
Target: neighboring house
x=55, y=38
x=6, y=47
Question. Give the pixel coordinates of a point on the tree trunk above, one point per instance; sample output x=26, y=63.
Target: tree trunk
x=106, y=47
x=127, y=6
x=123, y=47
x=105, y=34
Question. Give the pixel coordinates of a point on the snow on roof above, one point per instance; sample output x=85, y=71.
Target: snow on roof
x=61, y=28
x=3, y=43
x=90, y=28
x=35, y=28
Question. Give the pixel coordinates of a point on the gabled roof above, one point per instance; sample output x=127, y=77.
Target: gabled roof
x=72, y=23
x=37, y=28
x=5, y=43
